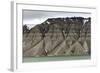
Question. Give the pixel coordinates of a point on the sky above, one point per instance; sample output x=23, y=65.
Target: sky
x=33, y=17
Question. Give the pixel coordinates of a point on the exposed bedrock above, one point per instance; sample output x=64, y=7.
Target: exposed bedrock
x=58, y=37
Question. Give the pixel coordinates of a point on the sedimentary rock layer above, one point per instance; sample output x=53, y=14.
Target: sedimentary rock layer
x=58, y=37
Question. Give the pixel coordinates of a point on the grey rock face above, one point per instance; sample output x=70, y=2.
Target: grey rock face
x=58, y=37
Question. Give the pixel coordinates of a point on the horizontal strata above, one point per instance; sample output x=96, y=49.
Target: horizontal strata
x=58, y=36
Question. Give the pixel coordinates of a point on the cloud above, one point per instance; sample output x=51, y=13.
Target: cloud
x=34, y=17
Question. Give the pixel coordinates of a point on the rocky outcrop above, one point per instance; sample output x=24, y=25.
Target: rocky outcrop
x=58, y=37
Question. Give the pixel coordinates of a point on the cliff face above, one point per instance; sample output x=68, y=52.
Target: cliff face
x=58, y=37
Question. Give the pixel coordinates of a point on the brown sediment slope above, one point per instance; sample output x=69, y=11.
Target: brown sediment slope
x=57, y=37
